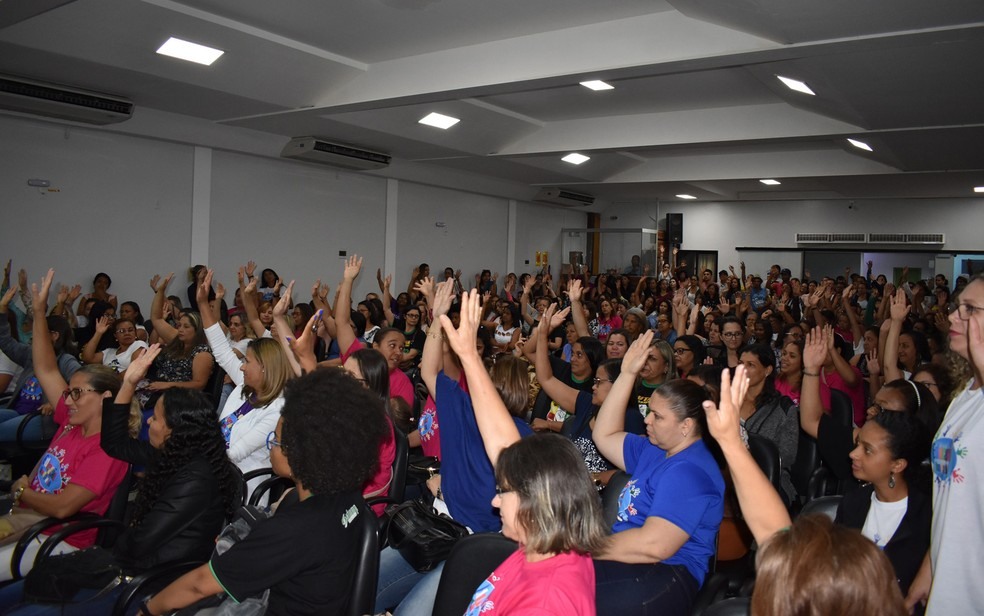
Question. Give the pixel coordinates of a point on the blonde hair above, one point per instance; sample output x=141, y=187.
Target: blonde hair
x=276, y=370
x=511, y=379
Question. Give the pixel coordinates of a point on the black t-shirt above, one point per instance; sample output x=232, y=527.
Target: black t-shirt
x=635, y=414
x=562, y=372
x=414, y=340
x=304, y=554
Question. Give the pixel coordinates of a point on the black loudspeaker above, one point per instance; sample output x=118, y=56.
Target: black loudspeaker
x=674, y=228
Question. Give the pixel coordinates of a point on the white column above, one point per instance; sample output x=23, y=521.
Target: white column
x=511, y=239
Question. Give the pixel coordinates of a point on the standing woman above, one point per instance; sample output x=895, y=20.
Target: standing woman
x=253, y=408
x=100, y=292
x=185, y=361
x=958, y=489
x=671, y=509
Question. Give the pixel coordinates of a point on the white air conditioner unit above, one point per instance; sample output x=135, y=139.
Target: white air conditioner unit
x=907, y=238
x=566, y=198
x=318, y=150
x=830, y=238
x=54, y=101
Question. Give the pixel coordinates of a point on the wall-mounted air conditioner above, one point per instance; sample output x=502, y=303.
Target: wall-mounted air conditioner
x=566, y=198
x=55, y=101
x=830, y=238
x=325, y=152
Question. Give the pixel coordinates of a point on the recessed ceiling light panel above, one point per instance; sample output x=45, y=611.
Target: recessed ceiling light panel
x=438, y=120
x=575, y=159
x=686, y=197
x=192, y=52
x=860, y=145
x=771, y=182
x=979, y=189
x=796, y=85
x=597, y=85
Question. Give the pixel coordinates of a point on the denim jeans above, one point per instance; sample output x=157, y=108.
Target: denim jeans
x=10, y=421
x=403, y=587
x=12, y=597
x=643, y=590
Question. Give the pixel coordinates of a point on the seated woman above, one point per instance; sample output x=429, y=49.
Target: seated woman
x=253, y=408
x=844, y=573
x=74, y=474
x=29, y=396
x=128, y=347
x=131, y=312
x=656, y=371
x=185, y=361
x=790, y=378
x=507, y=331
x=671, y=509
x=100, y=292
x=85, y=334
x=769, y=414
x=318, y=578
x=688, y=353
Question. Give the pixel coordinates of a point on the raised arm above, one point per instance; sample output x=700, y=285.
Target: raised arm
x=343, y=303
x=575, y=292
x=857, y=332
x=162, y=328
x=43, y=351
x=561, y=393
x=841, y=365
x=248, y=291
x=524, y=301
x=17, y=351
x=761, y=505
x=89, y=353
x=609, y=431
x=303, y=347
x=494, y=422
x=890, y=360
x=431, y=362
x=221, y=349
x=284, y=332
x=384, y=286
x=814, y=355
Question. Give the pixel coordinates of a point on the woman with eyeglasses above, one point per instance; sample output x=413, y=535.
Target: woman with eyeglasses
x=252, y=409
x=688, y=353
x=128, y=349
x=185, y=360
x=732, y=338
x=74, y=474
x=885, y=455
x=584, y=405
x=413, y=343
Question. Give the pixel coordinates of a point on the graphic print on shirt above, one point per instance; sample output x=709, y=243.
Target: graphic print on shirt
x=29, y=398
x=945, y=456
x=51, y=476
x=626, y=509
x=427, y=424
x=556, y=413
x=480, y=600
x=643, y=402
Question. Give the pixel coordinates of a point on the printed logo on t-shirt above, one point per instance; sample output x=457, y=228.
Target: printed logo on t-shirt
x=556, y=413
x=29, y=398
x=427, y=423
x=50, y=477
x=480, y=600
x=348, y=516
x=945, y=456
x=626, y=509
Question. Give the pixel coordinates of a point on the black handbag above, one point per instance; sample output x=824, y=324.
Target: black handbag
x=423, y=536
x=58, y=578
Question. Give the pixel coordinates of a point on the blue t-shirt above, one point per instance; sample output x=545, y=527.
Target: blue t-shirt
x=685, y=489
x=467, y=476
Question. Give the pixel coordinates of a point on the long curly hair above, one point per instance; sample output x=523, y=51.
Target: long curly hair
x=331, y=431
x=194, y=434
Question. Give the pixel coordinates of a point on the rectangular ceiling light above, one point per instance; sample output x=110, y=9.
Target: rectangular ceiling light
x=192, y=52
x=795, y=84
x=439, y=120
x=770, y=182
x=575, y=159
x=860, y=144
x=686, y=197
x=596, y=84
x=979, y=189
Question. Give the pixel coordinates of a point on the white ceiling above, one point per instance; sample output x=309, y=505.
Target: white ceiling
x=696, y=106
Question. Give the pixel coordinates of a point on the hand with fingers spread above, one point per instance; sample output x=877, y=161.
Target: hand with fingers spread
x=102, y=326
x=157, y=285
x=462, y=340
x=39, y=297
x=575, y=291
x=871, y=360
x=425, y=287
x=899, y=309
x=814, y=350
x=552, y=319
x=251, y=269
x=280, y=309
x=443, y=298
x=73, y=293
x=724, y=420
x=353, y=265
x=137, y=370
x=636, y=355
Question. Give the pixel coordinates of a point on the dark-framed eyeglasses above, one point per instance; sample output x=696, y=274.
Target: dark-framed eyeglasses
x=598, y=380
x=965, y=311
x=76, y=392
x=681, y=351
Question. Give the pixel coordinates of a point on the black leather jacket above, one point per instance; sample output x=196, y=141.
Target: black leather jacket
x=186, y=517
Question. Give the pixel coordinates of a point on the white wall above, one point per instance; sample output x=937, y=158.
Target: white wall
x=125, y=205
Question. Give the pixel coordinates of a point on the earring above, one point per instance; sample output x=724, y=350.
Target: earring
x=891, y=479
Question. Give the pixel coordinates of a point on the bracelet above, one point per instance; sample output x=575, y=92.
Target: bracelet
x=18, y=493
x=805, y=373
x=436, y=334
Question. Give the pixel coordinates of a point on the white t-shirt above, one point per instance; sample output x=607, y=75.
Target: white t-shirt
x=121, y=361
x=883, y=520
x=7, y=366
x=957, y=547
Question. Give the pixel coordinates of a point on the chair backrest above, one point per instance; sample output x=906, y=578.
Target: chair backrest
x=841, y=408
x=472, y=560
x=807, y=460
x=609, y=497
x=740, y=606
x=116, y=511
x=213, y=387
x=400, y=463
x=363, y=597
x=766, y=454
x=826, y=505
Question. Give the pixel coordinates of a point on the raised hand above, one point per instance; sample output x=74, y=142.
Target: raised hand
x=102, y=326
x=899, y=308
x=462, y=340
x=201, y=291
x=528, y=285
x=637, y=354
x=724, y=420
x=552, y=319
x=22, y=278
x=303, y=346
x=284, y=302
x=575, y=291
x=814, y=350
x=723, y=305
x=443, y=296
x=39, y=298
x=73, y=293
x=138, y=368
x=250, y=288
x=425, y=287
x=157, y=285
x=353, y=265
x=874, y=367
x=220, y=292
x=250, y=268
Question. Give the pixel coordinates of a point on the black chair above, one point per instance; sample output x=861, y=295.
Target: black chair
x=398, y=484
x=109, y=528
x=213, y=387
x=275, y=485
x=470, y=562
x=609, y=497
x=841, y=409
x=24, y=454
x=804, y=466
x=148, y=584
x=363, y=599
x=826, y=505
x=730, y=607
x=766, y=454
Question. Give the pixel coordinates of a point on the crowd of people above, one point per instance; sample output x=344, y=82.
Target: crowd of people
x=533, y=394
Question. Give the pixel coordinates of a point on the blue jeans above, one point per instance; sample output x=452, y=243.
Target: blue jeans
x=10, y=421
x=643, y=590
x=401, y=586
x=12, y=597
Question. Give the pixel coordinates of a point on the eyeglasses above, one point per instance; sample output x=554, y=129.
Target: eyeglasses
x=731, y=335
x=272, y=441
x=598, y=380
x=681, y=351
x=965, y=311
x=76, y=392
x=500, y=490
x=126, y=331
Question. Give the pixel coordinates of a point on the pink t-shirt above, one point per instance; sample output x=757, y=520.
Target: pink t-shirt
x=379, y=484
x=833, y=380
x=400, y=385
x=563, y=584
x=784, y=388
x=73, y=458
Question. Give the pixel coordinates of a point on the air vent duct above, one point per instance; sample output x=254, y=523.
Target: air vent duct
x=830, y=238
x=54, y=101
x=335, y=154
x=566, y=198
x=906, y=238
